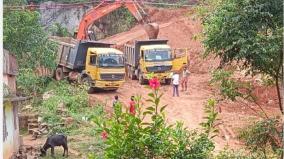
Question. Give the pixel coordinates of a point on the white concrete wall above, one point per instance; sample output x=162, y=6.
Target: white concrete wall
x=11, y=143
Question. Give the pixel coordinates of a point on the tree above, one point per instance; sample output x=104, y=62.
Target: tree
x=249, y=32
x=25, y=37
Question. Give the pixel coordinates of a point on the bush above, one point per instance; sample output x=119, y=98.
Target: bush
x=263, y=138
x=30, y=84
x=128, y=135
x=58, y=30
x=233, y=154
x=73, y=98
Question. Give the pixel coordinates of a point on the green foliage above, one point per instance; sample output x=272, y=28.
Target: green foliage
x=119, y=20
x=263, y=138
x=59, y=30
x=249, y=31
x=233, y=154
x=267, y=80
x=129, y=136
x=229, y=88
x=24, y=36
x=63, y=96
x=176, y=3
x=30, y=84
x=73, y=97
x=14, y=2
x=211, y=117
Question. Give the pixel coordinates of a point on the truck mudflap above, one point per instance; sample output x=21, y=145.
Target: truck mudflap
x=180, y=58
x=108, y=85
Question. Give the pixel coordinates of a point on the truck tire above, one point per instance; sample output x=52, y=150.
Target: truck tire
x=91, y=90
x=59, y=75
x=130, y=73
x=132, y=76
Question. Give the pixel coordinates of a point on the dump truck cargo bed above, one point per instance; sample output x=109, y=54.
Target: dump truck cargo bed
x=73, y=55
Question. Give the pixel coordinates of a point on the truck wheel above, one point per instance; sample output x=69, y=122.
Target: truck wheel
x=132, y=76
x=168, y=81
x=59, y=75
x=91, y=90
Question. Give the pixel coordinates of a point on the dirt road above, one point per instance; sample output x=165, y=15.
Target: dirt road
x=182, y=30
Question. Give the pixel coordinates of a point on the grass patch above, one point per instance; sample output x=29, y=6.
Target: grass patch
x=81, y=132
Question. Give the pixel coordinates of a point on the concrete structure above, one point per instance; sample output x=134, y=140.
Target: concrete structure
x=11, y=139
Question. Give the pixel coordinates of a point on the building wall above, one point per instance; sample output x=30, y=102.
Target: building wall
x=10, y=81
x=10, y=130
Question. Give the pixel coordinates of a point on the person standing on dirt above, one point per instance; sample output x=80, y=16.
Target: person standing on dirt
x=175, y=80
x=115, y=101
x=184, y=81
x=132, y=106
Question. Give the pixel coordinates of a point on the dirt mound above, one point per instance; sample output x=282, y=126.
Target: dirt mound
x=164, y=15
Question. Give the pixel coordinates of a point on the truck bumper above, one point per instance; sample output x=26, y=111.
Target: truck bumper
x=162, y=76
x=108, y=85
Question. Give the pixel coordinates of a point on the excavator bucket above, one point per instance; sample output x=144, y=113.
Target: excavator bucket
x=152, y=30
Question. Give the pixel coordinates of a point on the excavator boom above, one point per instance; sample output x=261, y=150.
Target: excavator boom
x=106, y=7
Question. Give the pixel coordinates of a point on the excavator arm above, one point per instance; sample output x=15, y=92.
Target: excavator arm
x=106, y=7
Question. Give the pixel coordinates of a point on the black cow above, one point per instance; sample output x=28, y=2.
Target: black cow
x=52, y=141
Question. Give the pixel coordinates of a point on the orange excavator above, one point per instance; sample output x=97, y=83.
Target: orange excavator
x=106, y=7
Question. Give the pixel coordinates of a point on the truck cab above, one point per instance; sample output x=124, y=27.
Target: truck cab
x=156, y=59
x=105, y=68
x=94, y=63
x=153, y=56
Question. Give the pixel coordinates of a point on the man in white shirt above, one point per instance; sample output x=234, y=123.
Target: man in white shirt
x=175, y=79
x=185, y=75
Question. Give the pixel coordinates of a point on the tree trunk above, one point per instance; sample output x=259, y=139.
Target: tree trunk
x=279, y=95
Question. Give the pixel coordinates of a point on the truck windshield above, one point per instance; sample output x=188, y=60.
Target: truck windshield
x=111, y=60
x=157, y=55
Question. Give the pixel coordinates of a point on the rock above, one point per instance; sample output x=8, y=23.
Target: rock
x=32, y=126
x=84, y=118
x=27, y=107
x=68, y=121
x=23, y=121
x=39, y=119
x=270, y=102
x=47, y=95
x=61, y=108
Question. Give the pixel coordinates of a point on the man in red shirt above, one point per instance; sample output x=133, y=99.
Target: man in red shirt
x=132, y=106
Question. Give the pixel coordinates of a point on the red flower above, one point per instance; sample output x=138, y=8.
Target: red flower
x=132, y=107
x=154, y=83
x=104, y=135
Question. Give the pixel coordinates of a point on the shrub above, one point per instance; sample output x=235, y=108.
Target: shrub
x=74, y=100
x=263, y=138
x=30, y=84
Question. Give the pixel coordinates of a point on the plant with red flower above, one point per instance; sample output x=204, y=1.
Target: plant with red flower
x=154, y=83
x=104, y=135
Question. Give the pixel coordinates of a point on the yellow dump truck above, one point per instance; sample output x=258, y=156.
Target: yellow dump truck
x=94, y=63
x=153, y=56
